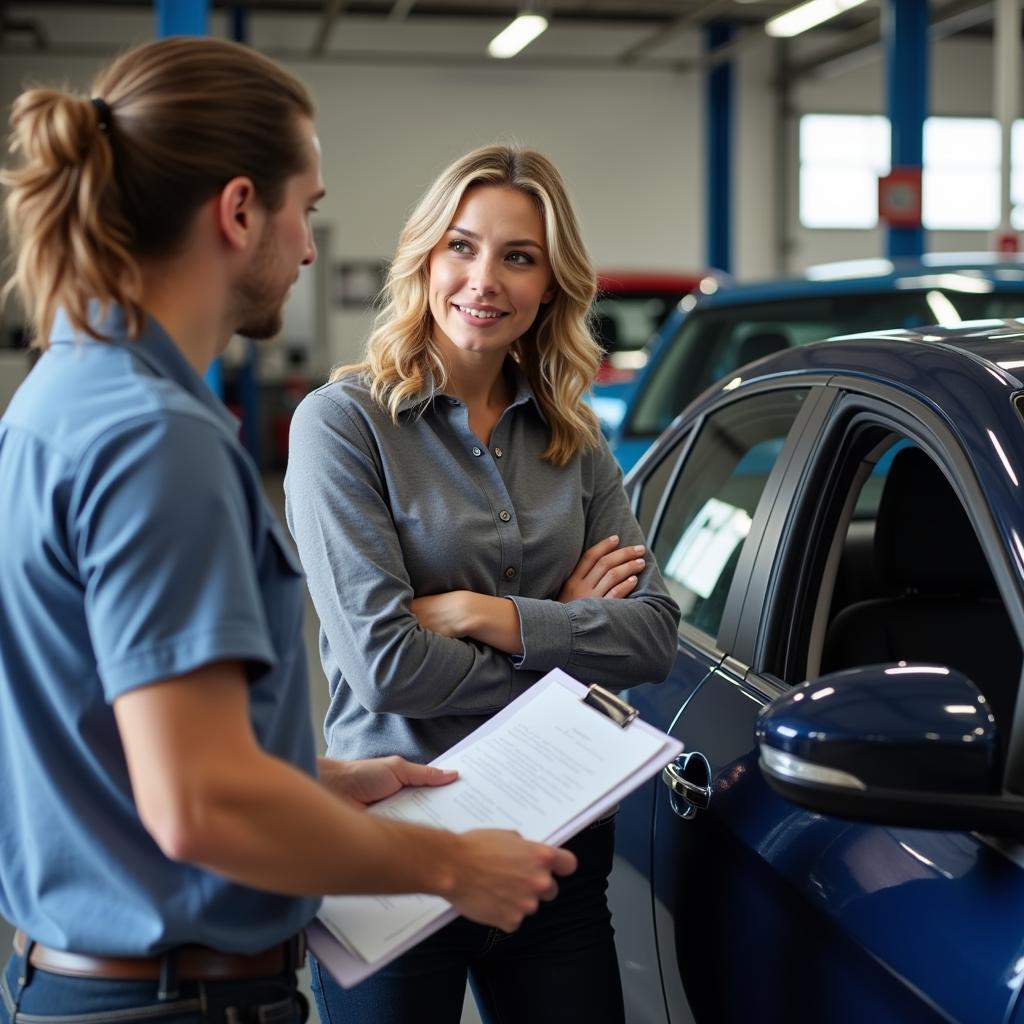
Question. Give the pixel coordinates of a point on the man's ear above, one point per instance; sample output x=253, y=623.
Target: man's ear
x=238, y=213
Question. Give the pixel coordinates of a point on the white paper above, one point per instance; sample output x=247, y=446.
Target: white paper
x=539, y=768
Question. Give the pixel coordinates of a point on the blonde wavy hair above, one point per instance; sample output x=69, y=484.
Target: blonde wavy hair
x=558, y=354
x=104, y=182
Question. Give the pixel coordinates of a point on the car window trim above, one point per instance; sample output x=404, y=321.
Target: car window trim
x=701, y=642
x=682, y=447
x=894, y=409
x=803, y=434
x=812, y=383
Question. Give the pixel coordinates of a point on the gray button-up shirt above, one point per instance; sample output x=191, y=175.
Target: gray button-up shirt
x=383, y=513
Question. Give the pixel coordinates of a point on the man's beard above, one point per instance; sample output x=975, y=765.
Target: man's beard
x=260, y=315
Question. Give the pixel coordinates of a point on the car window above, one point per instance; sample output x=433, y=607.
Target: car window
x=652, y=488
x=713, y=342
x=623, y=325
x=711, y=508
x=912, y=583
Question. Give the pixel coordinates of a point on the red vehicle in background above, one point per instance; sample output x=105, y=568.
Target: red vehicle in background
x=630, y=307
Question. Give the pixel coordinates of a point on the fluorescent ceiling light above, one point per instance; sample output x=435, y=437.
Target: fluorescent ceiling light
x=520, y=33
x=801, y=18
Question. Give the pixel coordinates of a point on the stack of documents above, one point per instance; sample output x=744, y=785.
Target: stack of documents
x=546, y=766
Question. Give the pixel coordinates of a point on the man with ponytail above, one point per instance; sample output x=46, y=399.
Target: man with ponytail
x=164, y=835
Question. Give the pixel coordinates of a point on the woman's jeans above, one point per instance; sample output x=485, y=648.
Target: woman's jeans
x=559, y=966
x=32, y=996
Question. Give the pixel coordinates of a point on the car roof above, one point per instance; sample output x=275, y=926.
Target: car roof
x=991, y=352
x=964, y=272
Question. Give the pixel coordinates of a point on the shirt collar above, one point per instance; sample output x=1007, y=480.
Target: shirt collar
x=154, y=347
x=429, y=392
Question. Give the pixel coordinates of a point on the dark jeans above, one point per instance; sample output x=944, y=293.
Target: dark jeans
x=560, y=965
x=31, y=996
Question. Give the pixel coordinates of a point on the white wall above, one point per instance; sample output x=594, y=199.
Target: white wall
x=627, y=150
x=630, y=143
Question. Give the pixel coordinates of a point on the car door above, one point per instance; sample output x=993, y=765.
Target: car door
x=713, y=479
x=770, y=912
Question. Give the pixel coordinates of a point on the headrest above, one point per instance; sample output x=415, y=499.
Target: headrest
x=923, y=538
x=606, y=331
x=759, y=345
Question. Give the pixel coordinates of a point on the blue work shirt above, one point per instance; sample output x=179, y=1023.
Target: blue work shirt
x=137, y=546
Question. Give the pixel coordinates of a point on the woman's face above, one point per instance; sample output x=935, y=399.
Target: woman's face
x=490, y=272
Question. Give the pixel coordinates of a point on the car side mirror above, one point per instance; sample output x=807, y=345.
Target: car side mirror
x=911, y=745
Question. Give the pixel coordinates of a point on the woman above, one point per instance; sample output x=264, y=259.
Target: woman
x=163, y=835
x=464, y=530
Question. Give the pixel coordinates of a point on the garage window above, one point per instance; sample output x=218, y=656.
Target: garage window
x=841, y=159
x=842, y=156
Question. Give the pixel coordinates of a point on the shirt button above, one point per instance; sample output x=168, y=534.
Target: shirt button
x=477, y=451
x=510, y=573
x=498, y=453
x=504, y=516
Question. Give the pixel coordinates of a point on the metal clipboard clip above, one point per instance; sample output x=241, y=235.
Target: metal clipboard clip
x=609, y=705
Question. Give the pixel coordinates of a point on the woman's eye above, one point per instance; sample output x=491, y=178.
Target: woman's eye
x=458, y=245
x=521, y=258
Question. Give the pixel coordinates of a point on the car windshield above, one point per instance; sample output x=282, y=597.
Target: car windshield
x=624, y=324
x=712, y=343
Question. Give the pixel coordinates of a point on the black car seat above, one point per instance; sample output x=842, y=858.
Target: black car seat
x=945, y=609
x=606, y=331
x=759, y=345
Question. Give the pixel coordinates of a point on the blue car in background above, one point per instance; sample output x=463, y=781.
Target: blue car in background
x=711, y=335
x=847, y=849
x=630, y=307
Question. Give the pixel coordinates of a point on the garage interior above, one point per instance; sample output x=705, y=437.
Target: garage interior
x=621, y=94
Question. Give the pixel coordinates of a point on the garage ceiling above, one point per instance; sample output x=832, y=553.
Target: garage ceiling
x=600, y=34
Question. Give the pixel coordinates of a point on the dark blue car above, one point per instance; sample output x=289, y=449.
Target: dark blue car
x=711, y=335
x=845, y=849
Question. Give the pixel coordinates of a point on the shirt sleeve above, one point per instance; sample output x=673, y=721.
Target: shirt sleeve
x=163, y=538
x=338, y=512
x=619, y=641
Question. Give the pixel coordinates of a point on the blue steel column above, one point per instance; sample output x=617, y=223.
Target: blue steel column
x=906, y=31
x=718, y=143
x=188, y=18
x=181, y=17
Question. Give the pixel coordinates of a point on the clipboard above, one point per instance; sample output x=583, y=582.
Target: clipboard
x=348, y=968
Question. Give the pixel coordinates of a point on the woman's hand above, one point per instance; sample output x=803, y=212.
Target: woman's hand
x=605, y=570
x=368, y=781
x=445, y=614
x=461, y=613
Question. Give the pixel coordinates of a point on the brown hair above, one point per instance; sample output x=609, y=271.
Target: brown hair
x=94, y=192
x=557, y=354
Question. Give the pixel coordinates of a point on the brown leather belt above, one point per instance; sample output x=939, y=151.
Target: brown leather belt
x=192, y=963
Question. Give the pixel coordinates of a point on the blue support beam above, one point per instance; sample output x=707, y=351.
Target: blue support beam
x=718, y=146
x=182, y=18
x=906, y=54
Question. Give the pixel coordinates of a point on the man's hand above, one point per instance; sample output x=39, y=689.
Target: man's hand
x=371, y=780
x=605, y=570
x=500, y=878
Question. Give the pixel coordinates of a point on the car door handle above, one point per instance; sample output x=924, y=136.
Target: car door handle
x=688, y=778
